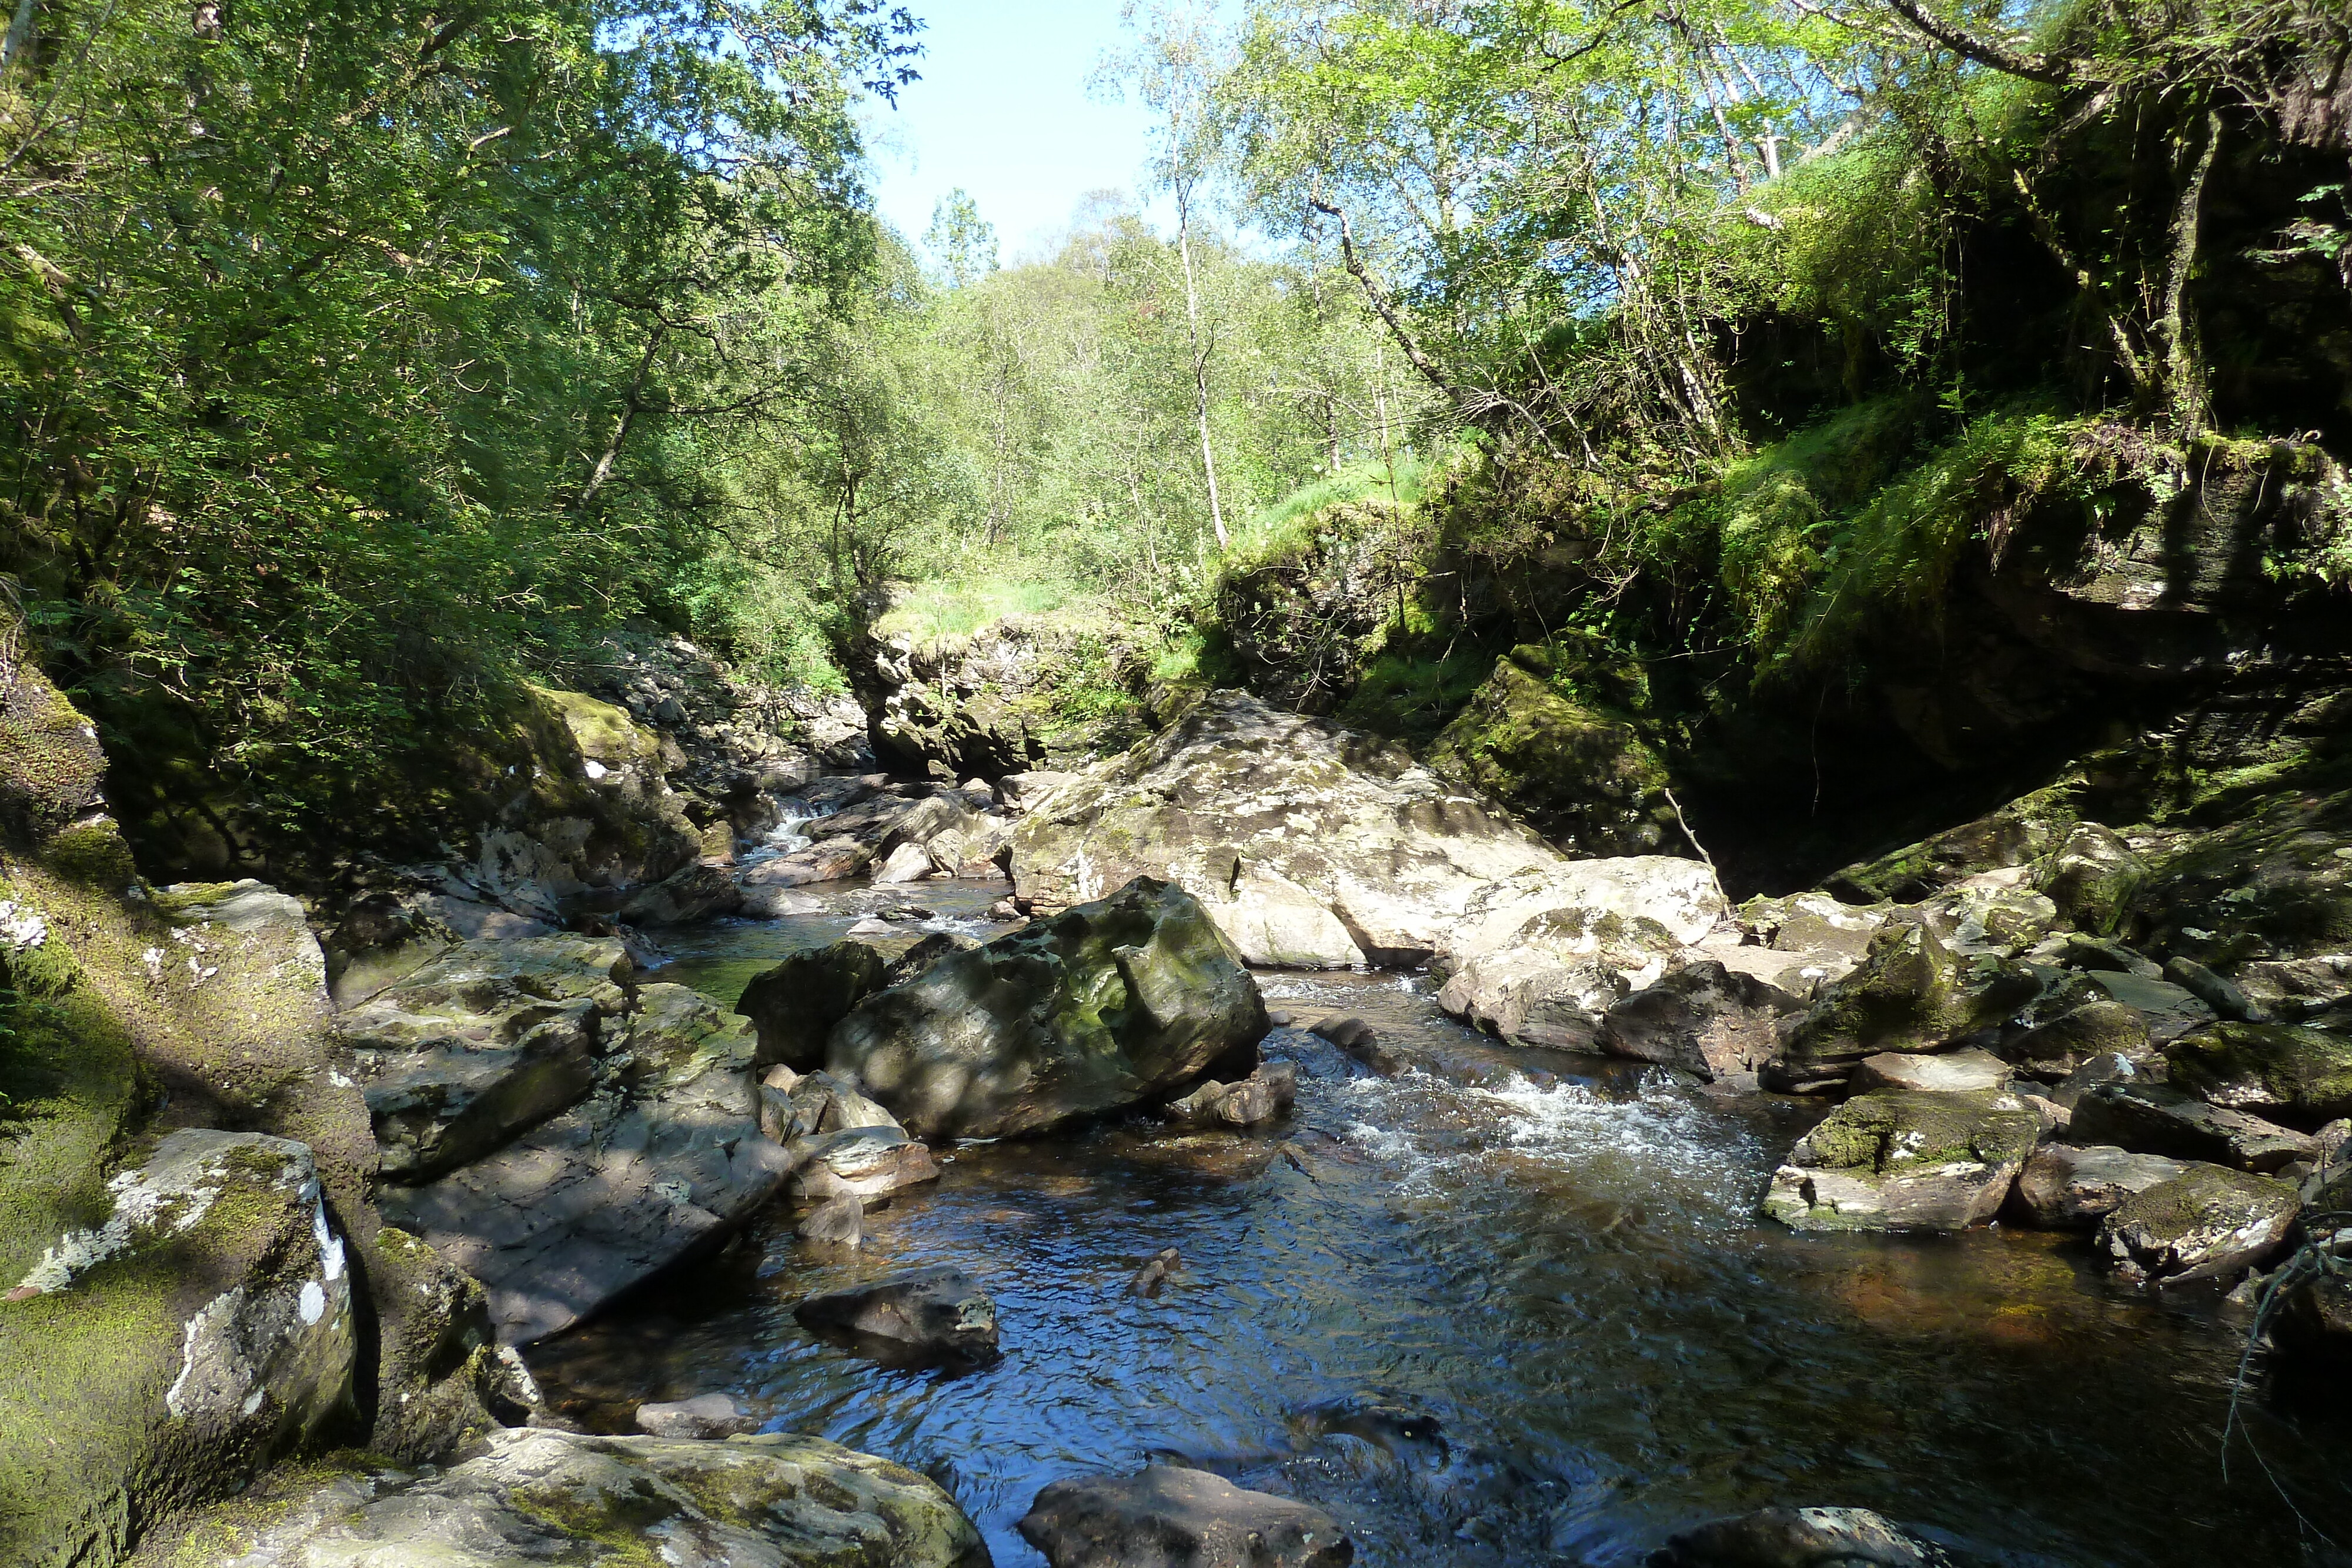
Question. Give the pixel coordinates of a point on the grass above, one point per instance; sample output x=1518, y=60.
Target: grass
x=958, y=608
x=1285, y=522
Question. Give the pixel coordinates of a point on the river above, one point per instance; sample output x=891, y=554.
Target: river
x=1556, y=1261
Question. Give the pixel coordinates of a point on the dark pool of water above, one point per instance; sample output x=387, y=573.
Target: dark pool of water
x=1559, y=1259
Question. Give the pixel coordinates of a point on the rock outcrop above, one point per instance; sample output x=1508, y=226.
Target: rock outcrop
x=1099, y=1007
x=1169, y=1517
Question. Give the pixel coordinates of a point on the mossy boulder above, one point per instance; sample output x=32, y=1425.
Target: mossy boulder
x=1906, y=1159
x=160, y=1359
x=2091, y=877
x=2102, y=1027
x=2017, y=834
x=2206, y=1222
x=1542, y=737
x=534, y=1496
x=1093, y=1008
x=1911, y=993
x=2298, y=1077
x=2272, y=882
x=2158, y=1119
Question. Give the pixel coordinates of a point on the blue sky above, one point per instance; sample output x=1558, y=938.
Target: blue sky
x=1003, y=110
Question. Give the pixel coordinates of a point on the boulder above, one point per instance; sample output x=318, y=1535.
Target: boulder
x=1172, y=1517
x=541, y=1495
x=1989, y=912
x=1097, y=1007
x=199, y=1331
x=1022, y=793
x=795, y=1005
x=2170, y=1011
x=699, y=891
x=2017, y=834
x=660, y=1166
x=2067, y=1188
x=1362, y=1042
x=908, y=863
x=831, y=859
x=2207, y=1221
x=2102, y=1028
x=2222, y=996
x=864, y=1163
x=1146, y=1280
x=838, y=1221
x=802, y=1104
x=1266, y=817
x=1261, y=1097
x=1701, y=1018
x=704, y=1416
x=1910, y=993
x=2302, y=1077
x=1953, y=1072
x=2091, y=876
x=2155, y=1119
x=1802, y=1538
x=1537, y=737
x=1905, y=1160
x=939, y=1310
x=1538, y=958
x=925, y=953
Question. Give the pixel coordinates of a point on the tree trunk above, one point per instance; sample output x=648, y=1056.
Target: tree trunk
x=1200, y=358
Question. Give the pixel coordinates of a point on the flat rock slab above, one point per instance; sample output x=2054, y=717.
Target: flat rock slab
x=1172, y=1518
x=1952, y=1072
x=2066, y=1187
x=1802, y=1538
x=653, y=1169
x=2170, y=1011
x=939, y=1310
x=2155, y=1119
x=864, y=1163
x=536, y=1496
x=2205, y=1222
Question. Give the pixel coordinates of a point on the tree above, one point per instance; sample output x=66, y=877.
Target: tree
x=962, y=244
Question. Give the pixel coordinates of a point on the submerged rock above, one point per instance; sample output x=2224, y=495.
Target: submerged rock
x=2066, y=1187
x=704, y=1416
x=2204, y=1222
x=539, y=1496
x=1097, y=1007
x=940, y=1311
x=838, y=1221
x=1362, y=1042
x=1905, y=1160
x=1802, y=1538
x=1261, y=1097
x=1172, y=1518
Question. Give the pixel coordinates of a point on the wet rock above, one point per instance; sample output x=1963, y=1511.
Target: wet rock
x=1989, y=912
x=1802, y=1538
x=1299, y=837
x=1172, y=1517
x=838, y=1221
x=795, y=1005
x=2067, y=1188
x=2278, y=1071
x=1097, y=1007
x=1701, y=1018
x=777, y=904
x=802, y=1104
x=940, y=1311
x=2106, y=956
x=832, y=859
x=1394, y=1428
x=2102, y=1028
x=1362, y=1042
x=2091, y=876
x=658, y=1166
x=1021, y=793
x=1905, y=1160
x=2205, y=1222
x=538, y=1496
x=697, y=892
x=2155, y=1119
x=704, y=1416
x=1539, y=957
x=444, y=1089
x=2170, y=1011
x=866, y=1163
x=1259, y=1098
x=1152, y=1275
x=1953, y=1072
x=220, y=1290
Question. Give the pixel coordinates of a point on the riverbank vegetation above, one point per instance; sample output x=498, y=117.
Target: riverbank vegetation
x=359, y=366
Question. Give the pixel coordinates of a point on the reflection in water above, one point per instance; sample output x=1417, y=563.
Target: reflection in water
x=1554, y=1258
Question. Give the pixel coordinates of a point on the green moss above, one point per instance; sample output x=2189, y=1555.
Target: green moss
x=615, y=1521
x=1897, y=1132
x=2277, y=1070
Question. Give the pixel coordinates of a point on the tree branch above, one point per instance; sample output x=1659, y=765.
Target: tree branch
x=2054, y=68
x=1413, y=352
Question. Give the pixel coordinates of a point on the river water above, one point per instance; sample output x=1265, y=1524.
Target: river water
x=1555, y=1258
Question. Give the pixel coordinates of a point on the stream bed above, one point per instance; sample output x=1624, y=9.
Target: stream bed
x=1557, y=1259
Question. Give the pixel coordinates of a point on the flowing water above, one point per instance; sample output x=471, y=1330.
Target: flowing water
x=1555, y=1258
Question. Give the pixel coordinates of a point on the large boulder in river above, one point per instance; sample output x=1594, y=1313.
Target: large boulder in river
x=660, y=1164
x=203, y=1331
x=1169, y=1517
x=795, y=1005
x=1309, y=844
x=1097, y=1007
x=1702, y=1017
x=536, y=1496
x=1539, y=957
x=2067, y=1188
x=1901, y=1160
x=2302, y=1077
